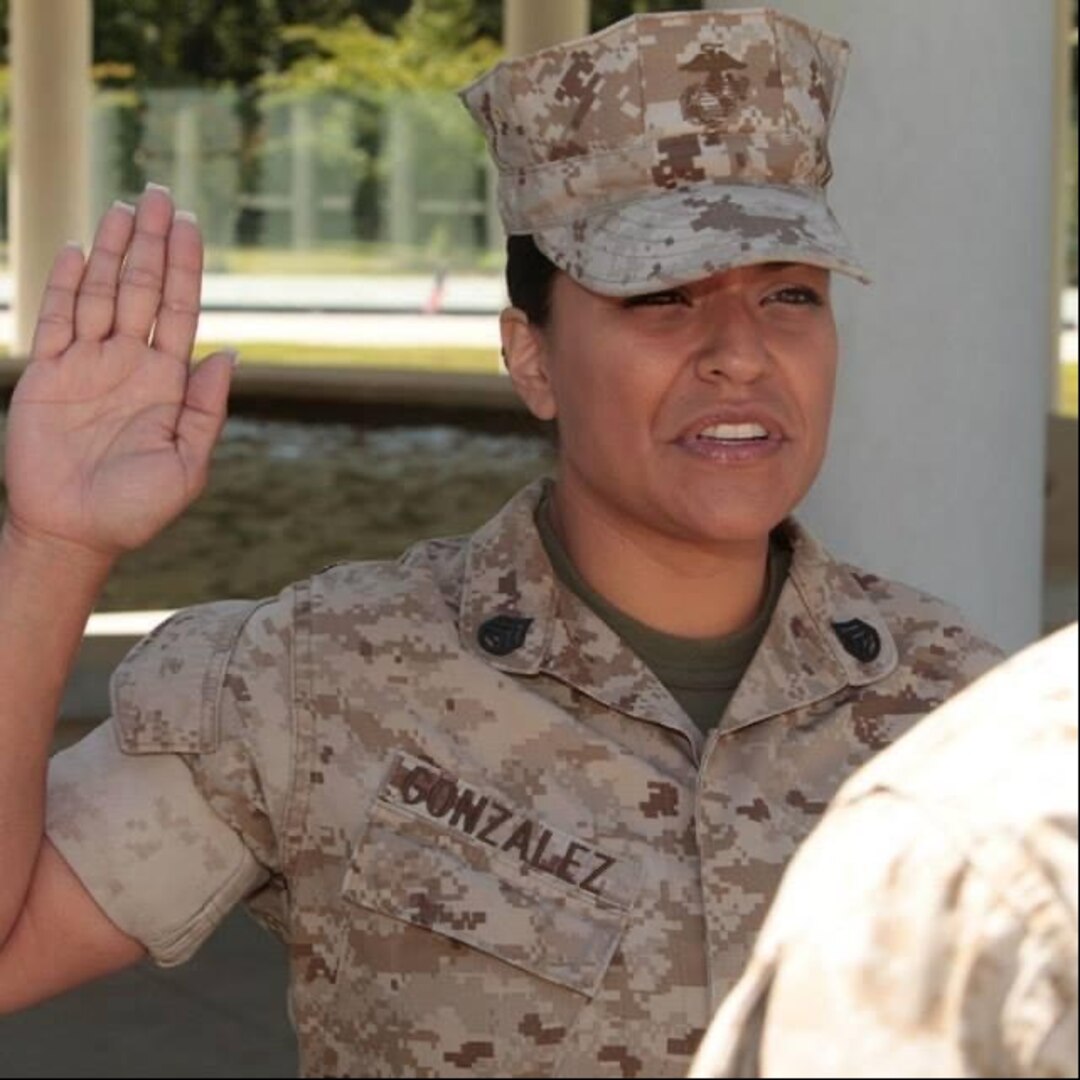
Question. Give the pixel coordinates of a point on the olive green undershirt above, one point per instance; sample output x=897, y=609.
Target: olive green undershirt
x=701, y=674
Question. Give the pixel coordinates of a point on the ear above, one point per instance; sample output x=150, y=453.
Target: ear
x=524, y=351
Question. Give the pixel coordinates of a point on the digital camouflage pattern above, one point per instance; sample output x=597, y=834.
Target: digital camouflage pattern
x=669, y=147
x=518, y=859
x=928, y=927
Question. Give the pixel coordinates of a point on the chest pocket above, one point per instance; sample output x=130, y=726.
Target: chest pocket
x=443, y=855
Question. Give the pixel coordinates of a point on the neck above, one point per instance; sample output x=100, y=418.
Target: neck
x=681, y=588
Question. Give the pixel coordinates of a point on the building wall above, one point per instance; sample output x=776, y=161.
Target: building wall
x=943, y=156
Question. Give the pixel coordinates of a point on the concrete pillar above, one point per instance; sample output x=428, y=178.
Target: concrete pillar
x=943, y=154
x=529, y=25
x=49, y=181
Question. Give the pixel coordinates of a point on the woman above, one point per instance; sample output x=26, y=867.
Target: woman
x=517, y=802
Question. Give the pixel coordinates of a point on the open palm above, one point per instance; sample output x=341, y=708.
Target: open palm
x=110, y=430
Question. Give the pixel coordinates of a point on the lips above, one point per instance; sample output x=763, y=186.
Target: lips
x=734, y=436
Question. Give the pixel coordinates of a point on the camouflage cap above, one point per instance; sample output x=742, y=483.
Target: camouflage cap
x=668, y=147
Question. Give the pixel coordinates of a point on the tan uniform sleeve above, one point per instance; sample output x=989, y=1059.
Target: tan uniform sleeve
x=171, y=812
x=891, y=952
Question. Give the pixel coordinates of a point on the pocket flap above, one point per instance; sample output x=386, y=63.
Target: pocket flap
x=443, y=855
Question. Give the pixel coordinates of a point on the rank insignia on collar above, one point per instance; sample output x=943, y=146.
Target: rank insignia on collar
x=859, y=639
x=503, y=634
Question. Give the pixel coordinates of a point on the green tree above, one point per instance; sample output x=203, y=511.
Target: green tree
x=420, y=151
x=435, y=46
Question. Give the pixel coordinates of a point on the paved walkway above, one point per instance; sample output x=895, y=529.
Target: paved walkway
x=460, y=293
x=339, y=311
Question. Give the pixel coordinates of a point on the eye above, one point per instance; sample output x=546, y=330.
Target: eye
x=667, y=298
x=798, y=295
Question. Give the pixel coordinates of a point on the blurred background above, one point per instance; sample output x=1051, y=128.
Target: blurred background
x=355, y=256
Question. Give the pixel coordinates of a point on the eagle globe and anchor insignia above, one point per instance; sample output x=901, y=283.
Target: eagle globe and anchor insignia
x=710, y=102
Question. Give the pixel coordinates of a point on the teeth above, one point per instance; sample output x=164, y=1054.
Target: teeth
x=734, y=432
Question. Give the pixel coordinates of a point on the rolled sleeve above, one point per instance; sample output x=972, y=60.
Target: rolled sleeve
x=143, y=841
x=171, y=812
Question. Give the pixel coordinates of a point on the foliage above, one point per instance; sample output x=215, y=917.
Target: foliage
x=435, y=47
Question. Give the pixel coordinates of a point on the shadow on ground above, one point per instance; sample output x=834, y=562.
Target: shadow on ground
x=222, y=1014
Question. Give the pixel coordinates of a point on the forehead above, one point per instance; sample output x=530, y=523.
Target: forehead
x=758, y=271
x=739, y=275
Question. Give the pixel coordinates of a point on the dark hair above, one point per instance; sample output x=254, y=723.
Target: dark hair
x=529, y=277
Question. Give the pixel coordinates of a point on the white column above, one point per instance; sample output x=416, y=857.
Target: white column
x=943, y=151
x=50, y=144
x=529, y=25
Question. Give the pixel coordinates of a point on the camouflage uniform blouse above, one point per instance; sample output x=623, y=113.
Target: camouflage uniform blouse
x=491, y=841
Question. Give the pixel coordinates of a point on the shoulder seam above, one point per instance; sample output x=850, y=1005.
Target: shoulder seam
x=300, y=675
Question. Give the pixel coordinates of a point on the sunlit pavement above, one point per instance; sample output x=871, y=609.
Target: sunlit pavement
x=341, y=311
x=453, y=293
x=334, y=329
x=239, y=328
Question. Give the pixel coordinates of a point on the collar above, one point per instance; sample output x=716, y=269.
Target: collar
x=825, y=635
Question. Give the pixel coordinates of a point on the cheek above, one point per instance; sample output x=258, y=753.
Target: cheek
x=813, y=379
x=602, y=393
x=610, y=417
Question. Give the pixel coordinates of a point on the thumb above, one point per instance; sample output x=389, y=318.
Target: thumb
x=203, y=413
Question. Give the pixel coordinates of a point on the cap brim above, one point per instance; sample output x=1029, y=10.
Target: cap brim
x=676, y=237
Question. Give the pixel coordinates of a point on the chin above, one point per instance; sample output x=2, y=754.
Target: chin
x=729, y=520
x=726, y=528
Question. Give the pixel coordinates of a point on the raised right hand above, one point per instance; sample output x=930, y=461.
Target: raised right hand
x=110, y=429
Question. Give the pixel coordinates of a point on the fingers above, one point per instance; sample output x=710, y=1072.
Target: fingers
x=178, y=315
x=144, y=273
x=203, y=414
x=95, y=304
x=143, y=276
x=56, y=320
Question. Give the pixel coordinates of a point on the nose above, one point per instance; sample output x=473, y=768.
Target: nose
x=732, y=345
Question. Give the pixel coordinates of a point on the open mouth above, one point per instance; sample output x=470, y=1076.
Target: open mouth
x=733, y=434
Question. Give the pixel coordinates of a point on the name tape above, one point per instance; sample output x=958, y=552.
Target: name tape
x=439, y=797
